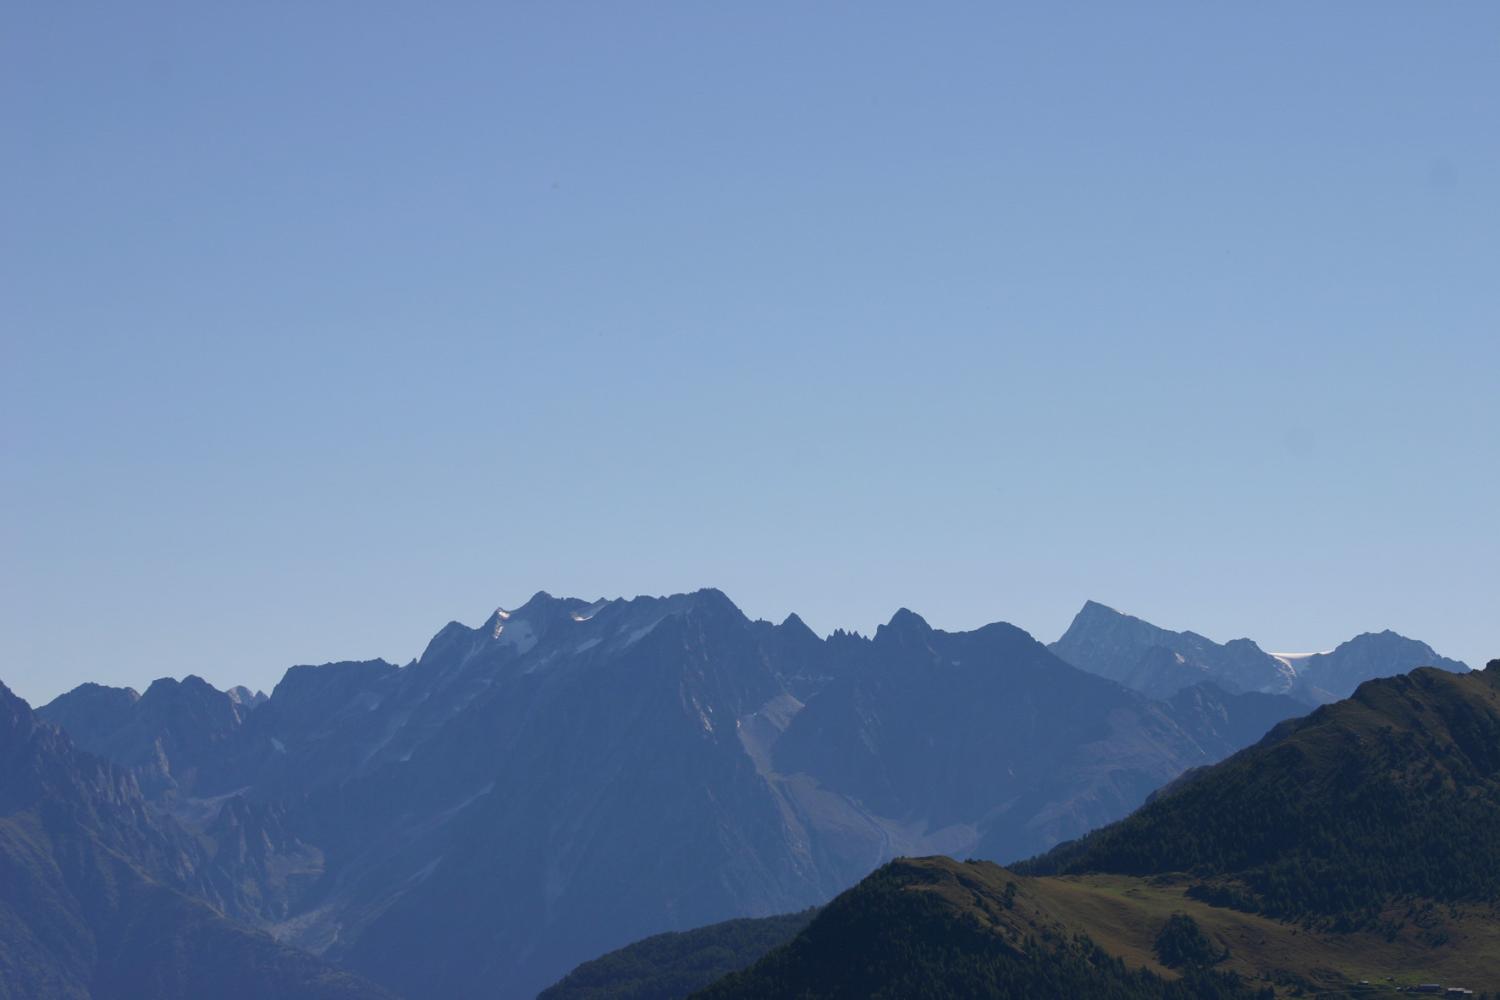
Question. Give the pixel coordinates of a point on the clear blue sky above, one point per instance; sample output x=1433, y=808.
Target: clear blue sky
x=326, y=323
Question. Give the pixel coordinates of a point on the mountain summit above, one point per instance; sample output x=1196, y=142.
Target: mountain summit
x=1159, y=662
x=1327, y=677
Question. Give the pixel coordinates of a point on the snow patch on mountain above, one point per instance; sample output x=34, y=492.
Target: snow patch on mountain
x=517, y=634
x=1293, y=661
x=587, y=613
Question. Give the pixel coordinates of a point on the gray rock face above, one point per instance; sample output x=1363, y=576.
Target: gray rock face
x=572, y=776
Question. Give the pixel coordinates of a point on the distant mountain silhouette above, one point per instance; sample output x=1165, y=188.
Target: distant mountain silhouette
x=1327, y=677
x=1159, y=662
x=909, y=734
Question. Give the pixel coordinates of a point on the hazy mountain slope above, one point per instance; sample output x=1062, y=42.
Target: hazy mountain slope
x=618, y=798
x=1159, y=662
x=94, y=713
x=164, y=735
x=936, y=928
x=987, y=731
x=1325, y=677
x=671, y=966
x=86, y=903
x=1222, y=722
x=1392, y=793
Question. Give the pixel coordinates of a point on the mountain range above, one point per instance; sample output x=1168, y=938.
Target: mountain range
x=574, y=775
x=1159, y=662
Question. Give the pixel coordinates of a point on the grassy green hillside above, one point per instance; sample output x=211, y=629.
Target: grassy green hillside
x=938, y=928
x=1346, y=818
x=672, y=966
x=1457, y=946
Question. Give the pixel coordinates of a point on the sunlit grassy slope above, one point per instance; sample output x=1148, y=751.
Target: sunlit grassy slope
x=961, y=910
x=1458, y=946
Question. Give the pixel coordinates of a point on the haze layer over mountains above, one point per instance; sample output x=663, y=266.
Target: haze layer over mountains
x=571, y=775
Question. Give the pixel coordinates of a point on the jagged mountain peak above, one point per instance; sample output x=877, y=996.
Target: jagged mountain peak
x=169, y=687
x=544, y=609
x=904, y=622
x=1386, y=639
x=306, y=683
x=1096, y=624
x=540, y=610
x=91, y=689
x=161, y=735
x=15, y=715
x=544, y=603
x=242, y=695
x=91, y=707
x=1096, y=614
x=793, y=625
x=1326, y=677
x=1098, y=609
x=1159, y=662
